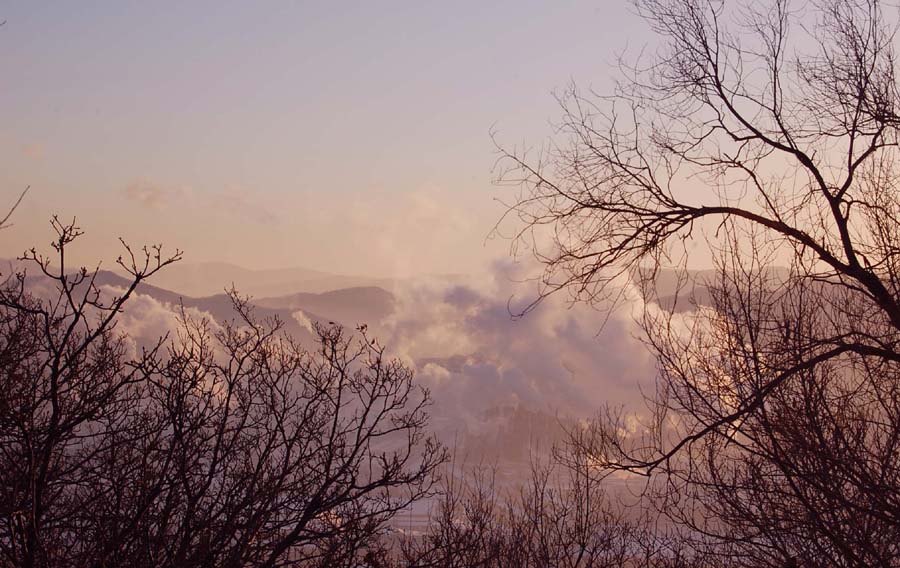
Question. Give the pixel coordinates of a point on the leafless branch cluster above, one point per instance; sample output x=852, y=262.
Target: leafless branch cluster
x=227, y=445
x=770, y=131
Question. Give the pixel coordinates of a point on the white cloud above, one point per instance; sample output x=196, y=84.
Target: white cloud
x=144, y=319
x=154, y=195
x=474, y=355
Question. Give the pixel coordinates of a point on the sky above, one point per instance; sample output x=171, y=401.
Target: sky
x=347, y=137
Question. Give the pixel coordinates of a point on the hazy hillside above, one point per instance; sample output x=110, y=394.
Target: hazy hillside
x=323, y=297
x=210, y=278
x=219, y=306
x=349, y=306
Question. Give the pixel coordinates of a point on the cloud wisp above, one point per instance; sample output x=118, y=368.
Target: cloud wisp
x=153, y=195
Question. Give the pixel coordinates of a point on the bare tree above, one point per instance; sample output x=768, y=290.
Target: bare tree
x=228, y=445
x=771, y=130
x=67, y=390
x=283, y=455
x=808, y=473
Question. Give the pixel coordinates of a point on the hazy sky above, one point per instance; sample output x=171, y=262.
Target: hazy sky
x=349, y=137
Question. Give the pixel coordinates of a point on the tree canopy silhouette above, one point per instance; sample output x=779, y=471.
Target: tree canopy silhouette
x=228, y=444
x=769, y=132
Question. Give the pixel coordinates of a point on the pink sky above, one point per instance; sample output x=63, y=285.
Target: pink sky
x=352, y=139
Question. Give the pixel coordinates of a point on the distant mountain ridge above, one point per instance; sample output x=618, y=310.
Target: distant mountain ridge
x=210, y=278
x=348, y=307
x=219, y=306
